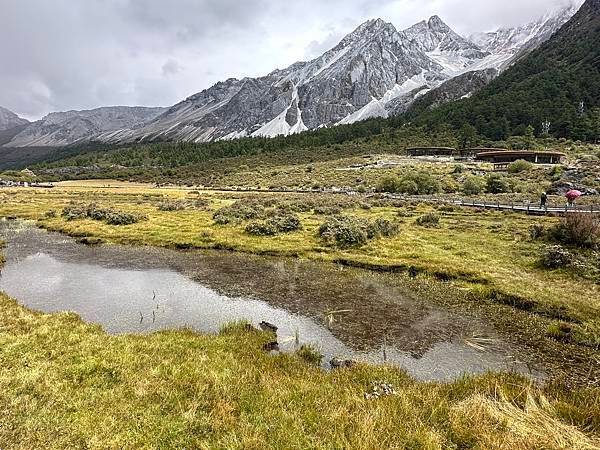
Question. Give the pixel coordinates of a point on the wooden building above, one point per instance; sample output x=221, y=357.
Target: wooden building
x=500, y=156
x=430, y=151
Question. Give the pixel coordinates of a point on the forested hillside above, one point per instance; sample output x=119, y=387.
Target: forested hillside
x=556, y=89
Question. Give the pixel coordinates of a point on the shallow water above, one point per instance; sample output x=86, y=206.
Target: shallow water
x=138, y=289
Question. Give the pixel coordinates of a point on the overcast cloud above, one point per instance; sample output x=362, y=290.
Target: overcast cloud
x=78, y=54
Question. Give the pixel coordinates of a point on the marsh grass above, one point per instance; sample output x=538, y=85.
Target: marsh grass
x=65, y=384
x=490, y=254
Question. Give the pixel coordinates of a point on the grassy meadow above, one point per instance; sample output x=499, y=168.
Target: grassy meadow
x=489, y=253
x=67, y=384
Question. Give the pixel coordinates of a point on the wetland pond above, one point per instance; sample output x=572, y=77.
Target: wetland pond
x=343, y=312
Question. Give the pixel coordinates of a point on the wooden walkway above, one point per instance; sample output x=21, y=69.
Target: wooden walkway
x=527, y=208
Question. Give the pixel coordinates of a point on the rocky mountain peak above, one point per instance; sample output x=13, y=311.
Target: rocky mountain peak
x=437, y=24
x=368, y=31
x=436, y=36
x=375, y=71
x=9, y=119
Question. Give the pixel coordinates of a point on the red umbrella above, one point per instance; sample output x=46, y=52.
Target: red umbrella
x=573, y=195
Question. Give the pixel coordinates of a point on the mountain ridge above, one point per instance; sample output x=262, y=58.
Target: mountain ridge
x=375, y=71
x=555, y=89
x=9, y=119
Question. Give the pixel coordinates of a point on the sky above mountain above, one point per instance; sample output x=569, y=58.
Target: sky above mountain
x=72, y=54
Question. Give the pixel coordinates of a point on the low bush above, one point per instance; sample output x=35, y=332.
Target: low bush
x=285, y=223
x=497, y=184
x=537, y=231
x=344, y=231
x=419, y=183
x=383, y=228
x=182, y=205
x=577, y=229
x=112, y=217
x=75, y=212
x=328, y=210
x=238, y=212
x=447, y=208
x=170, y=205
x=107, y=215
x=473, y=185
x=348, y=231
x=411, y=183
x=519, y=166
x=280, y=223
x=261, y=229
x=555, y=257
x=388, y=184
x=429, y=220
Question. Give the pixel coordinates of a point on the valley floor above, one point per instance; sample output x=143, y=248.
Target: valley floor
x=66, y=384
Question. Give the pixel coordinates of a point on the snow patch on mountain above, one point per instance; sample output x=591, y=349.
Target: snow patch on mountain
x=375, y=71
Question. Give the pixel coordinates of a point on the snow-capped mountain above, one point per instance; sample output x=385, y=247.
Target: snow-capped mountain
x=9, y=119
x=444, y=46
x=65, y=128
x=375, y=71
x=515, y=41
x=353, y=81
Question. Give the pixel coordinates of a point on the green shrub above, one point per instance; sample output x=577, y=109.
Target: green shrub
x=285, y=223
x=497, y=184
x=577, y=229
x=537, y=231
x=411, y=183
x=429, y=220
x=107, y=215
x=281, y=223
x=418, y=183
x=181, y=205
x=388, y=184
x=261, y=229
x=555, y=257
x=172, y=205
x=458, y=168
x=238, y=212
x=473, y=185
x=121, y=218
x=328, y=210
x=383, y=228
x=447, y=208
x=519, y=166
x=75, y=212
x=344, y=231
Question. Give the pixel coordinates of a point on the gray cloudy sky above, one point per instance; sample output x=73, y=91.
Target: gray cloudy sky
x=79, y=54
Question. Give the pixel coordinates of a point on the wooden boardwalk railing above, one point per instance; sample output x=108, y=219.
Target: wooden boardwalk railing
x=529, y=208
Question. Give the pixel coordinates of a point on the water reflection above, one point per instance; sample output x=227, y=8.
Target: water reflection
x=344, y=312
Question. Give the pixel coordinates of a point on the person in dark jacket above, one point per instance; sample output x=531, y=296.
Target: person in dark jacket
x=543, y=200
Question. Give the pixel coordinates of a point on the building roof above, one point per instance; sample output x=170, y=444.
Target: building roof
x=489, y=153
x=431, y=148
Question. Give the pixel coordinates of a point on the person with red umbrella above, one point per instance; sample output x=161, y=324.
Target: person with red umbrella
x=573, y=195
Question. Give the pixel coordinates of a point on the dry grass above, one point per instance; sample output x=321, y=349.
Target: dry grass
x=532, y=426
x=65, y=384
x=489, y=253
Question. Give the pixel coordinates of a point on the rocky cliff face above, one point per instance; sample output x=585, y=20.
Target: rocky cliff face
x=9, y=119
x=375, y=71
